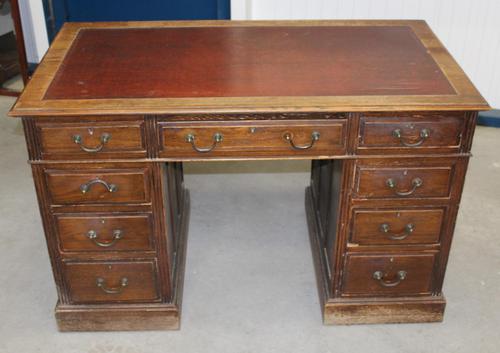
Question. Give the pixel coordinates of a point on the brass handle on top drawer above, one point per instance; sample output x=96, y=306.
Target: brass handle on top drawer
x=409, y=228
x=217, y=137
x=424, y=134
x=380, y=277
x=84, y=188
x=101, y=283
x=117, y=235
x=105, y=137
x=289, y=137
x=416, y=183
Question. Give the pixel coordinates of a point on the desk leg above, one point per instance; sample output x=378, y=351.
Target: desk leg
x=170, y=209
x=327, y=204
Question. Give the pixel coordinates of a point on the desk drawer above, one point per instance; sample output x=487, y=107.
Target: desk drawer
x=411, y=133
x=397, y=275
x=403, y=182
x=98, y=186
x=104, y=232
x=105, y=282
x=91, y=139
x=396, y=226
x=239, y=139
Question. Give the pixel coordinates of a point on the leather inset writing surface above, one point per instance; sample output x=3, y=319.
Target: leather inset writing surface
x=246, y=62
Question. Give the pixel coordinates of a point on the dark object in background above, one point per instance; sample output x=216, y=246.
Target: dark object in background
x=489, y=118
x=59, y=11
x=9, y=58
x=14, y=48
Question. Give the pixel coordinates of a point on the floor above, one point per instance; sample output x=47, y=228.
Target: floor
x=250, y=283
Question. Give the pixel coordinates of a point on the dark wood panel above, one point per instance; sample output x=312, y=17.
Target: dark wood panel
x=104, y=232
x=103, y=186
x=103, y=282
x=247, y=62
x=396, y=226
x=400, y=274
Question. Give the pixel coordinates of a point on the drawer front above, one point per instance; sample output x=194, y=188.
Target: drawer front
x=98, y=186
x=89, y=140
x=397, y=275
x=104, y=232
x=402, y=182
x=111, y=282
x=395, y=227
x=294, y=138
x=410, y=133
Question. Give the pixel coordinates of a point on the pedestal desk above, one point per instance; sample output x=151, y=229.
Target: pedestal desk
x=380, y=107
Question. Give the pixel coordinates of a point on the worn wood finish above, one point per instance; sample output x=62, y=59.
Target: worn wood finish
x=389, y=128
x=216, y=69
x=128, y=317
x=384, y=312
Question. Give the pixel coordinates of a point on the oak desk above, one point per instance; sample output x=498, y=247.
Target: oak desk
x=381, y=108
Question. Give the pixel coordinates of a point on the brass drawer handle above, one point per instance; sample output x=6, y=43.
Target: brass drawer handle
x=289, y=137
x=101, y=283
x=416, y=183
x=409, y=228
x=216, y=139
x=117, y=235
x=105, y=137
x=380, y=277
x=84, y=188
x=424, y=135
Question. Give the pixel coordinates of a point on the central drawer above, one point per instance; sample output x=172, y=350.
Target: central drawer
x=240, y=139
x=94, y=282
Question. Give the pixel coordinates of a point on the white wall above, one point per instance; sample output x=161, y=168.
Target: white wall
x=470, y=29
x=34, y=30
